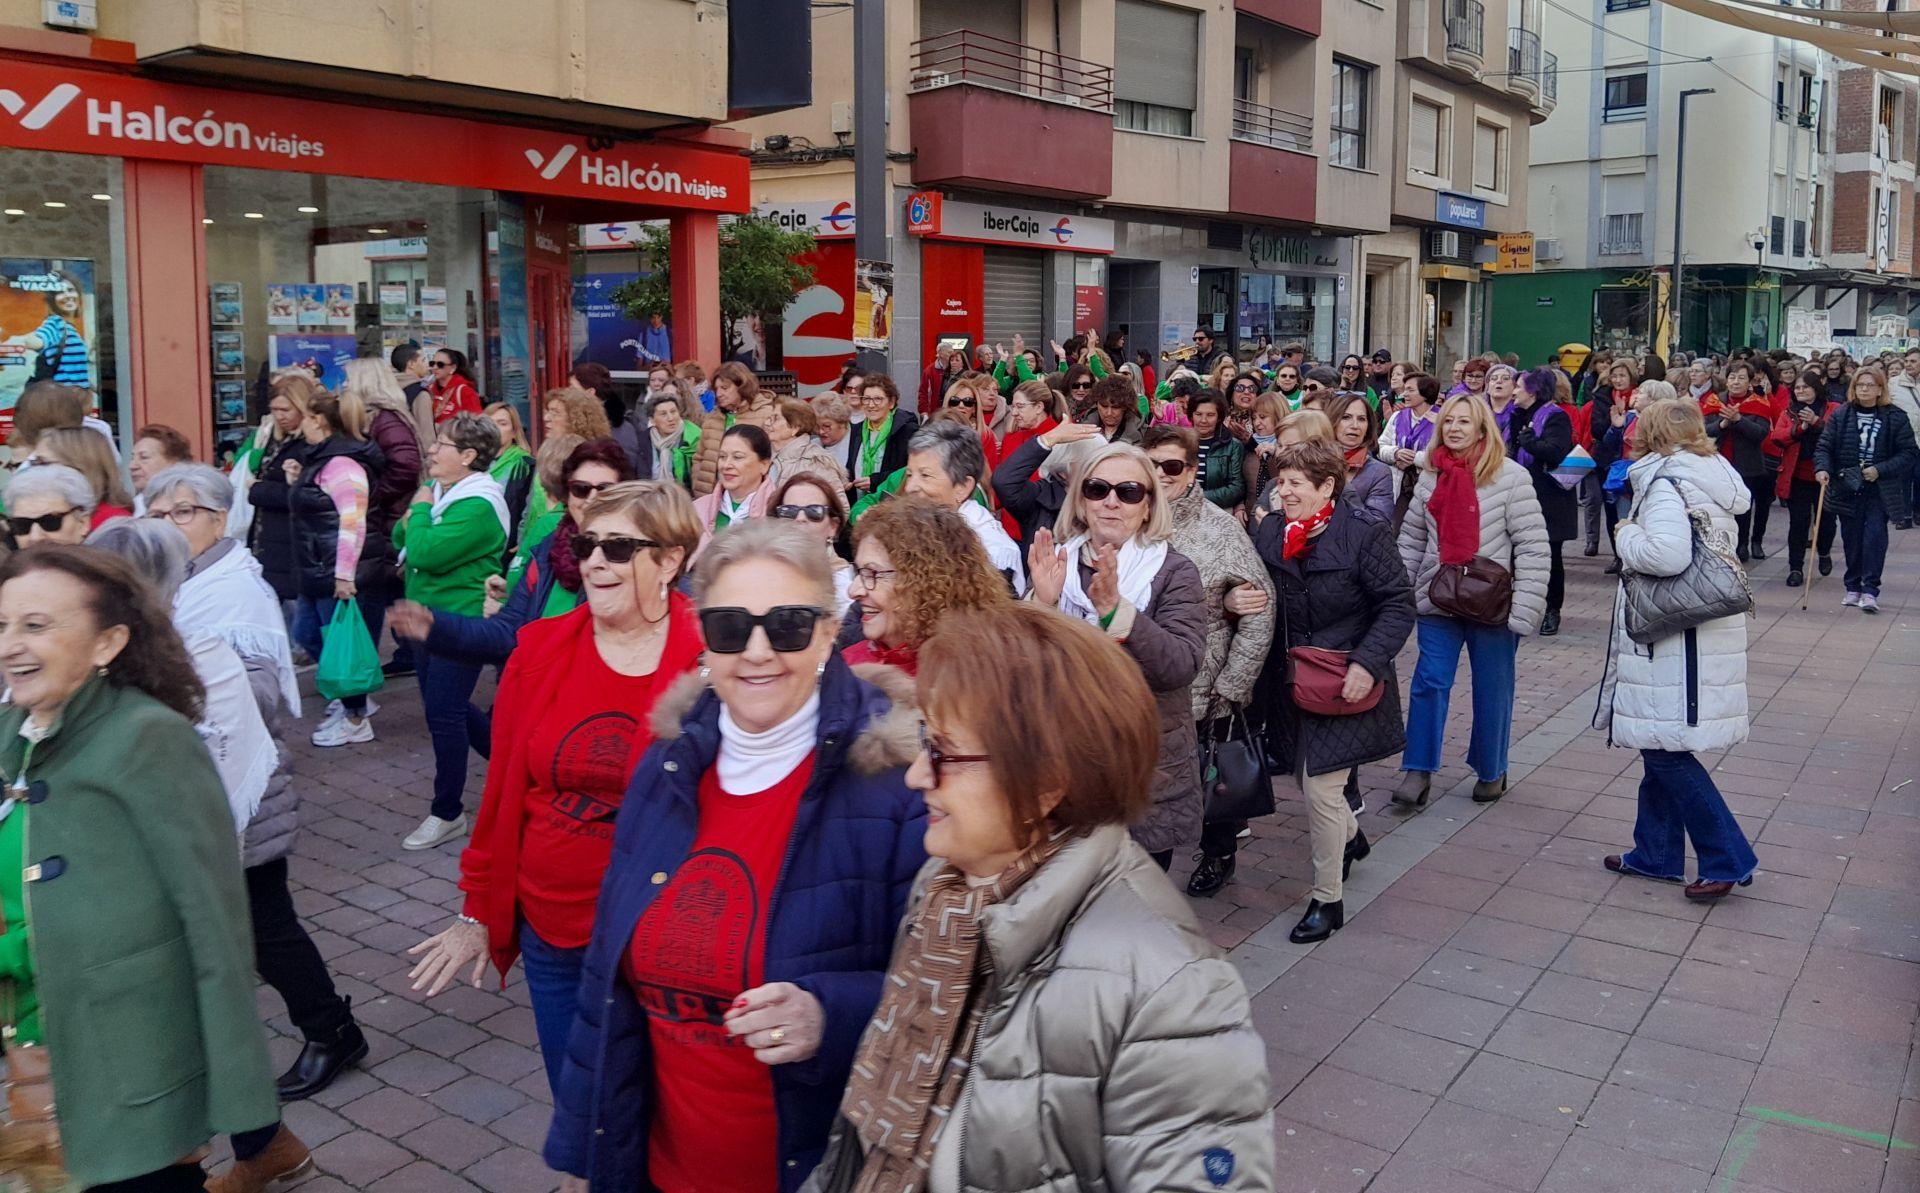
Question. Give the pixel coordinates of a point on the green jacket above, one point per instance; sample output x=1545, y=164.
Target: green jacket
x=534, y=532
x=887, y=488
x=448, y=562
x=141, y=945
x=19, y=1006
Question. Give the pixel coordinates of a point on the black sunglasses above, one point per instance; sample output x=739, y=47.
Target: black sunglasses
x=1169, y=468
x=47, y=522
x=938, y=758
x=581, y=490
x=618, y=548
x=795, y=513
x=443, y=364
x=1245, y=387
x=1129, y=492
x=966, y=403
x=1081, y=385
x=789, y=627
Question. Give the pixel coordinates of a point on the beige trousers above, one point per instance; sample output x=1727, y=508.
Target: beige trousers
x=1330, y=825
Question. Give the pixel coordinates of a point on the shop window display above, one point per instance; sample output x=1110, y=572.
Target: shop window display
x=1283, y=308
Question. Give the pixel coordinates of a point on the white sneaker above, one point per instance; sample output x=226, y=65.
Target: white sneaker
x=335, y=709
x=1852, y=601
x=1869, y=603
x=433, y=831
x=343, y=731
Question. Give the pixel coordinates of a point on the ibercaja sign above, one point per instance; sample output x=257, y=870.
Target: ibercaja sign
x=76, y=110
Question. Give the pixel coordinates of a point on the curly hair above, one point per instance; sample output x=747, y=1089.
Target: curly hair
x=154, y=660
x=940, y=562
x=586, y=417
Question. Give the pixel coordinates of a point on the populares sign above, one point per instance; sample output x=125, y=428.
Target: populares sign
x=930, y=214
x=70, y=110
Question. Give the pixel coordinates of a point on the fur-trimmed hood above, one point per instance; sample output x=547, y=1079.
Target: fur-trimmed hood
x=887, y=738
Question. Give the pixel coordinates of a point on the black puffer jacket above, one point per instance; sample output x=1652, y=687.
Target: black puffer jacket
x=310, y=530
x=270, y=538
x=1894, y=453
x=1348, y=592
x=1544, y=453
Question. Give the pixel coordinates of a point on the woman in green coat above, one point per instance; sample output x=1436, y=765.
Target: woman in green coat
x=137, y=949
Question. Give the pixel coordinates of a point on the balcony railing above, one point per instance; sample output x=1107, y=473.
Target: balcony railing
x=1549, y=79
x=1624, y=244
x=980, y=60
x=1466, y=22
x=1523, y=59
x=1271, y=126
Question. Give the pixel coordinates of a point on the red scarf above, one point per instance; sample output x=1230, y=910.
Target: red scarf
x=1455, y=504
x=1356, y=459
x=1299, y=535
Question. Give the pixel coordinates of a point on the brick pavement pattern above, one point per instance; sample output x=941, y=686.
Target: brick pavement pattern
x=1500, y=1014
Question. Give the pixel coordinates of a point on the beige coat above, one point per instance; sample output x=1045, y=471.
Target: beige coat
x=1513, y=533
x=706, y=458
x=1236, y=646
x=803, y=453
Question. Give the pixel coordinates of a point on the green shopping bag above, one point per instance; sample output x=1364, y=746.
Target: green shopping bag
x=349, y=661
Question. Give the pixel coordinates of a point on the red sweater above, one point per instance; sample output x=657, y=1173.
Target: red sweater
x=457, y=397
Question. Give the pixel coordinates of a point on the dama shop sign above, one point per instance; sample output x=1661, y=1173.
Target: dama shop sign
x=931, y=214
x=66, y=109
x=1268, y=249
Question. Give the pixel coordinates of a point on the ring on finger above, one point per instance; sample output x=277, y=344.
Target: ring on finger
x=778, y=1035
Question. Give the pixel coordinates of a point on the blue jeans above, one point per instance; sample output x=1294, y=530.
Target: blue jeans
x=1863, y=540
x=446, y=689
x=553, y=987
x=1490, y=651
x=1678, y=800
x=311, y=614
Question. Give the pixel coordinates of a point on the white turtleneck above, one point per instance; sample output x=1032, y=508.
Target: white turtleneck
x=749, y=763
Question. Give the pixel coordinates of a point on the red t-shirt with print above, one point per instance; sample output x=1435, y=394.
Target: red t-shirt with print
x=700, y=945
x=580, y=758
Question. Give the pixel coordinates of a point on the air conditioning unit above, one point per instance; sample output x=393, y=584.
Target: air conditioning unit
x=1444, y=244
x=1548, y=250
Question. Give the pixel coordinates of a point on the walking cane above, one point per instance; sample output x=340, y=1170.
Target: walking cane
x=1813, y=536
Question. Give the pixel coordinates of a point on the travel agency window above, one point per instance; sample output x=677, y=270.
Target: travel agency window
x=314, y=270
x=62, y=291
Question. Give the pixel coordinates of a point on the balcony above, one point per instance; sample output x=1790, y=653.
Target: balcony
x=1002, y=116
x=1301, y=16
x=1549, y=96
x=1465, y=22
x=1523, y=62
x=1272, y=171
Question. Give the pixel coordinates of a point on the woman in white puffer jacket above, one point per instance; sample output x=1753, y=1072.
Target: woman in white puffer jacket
x=1688, y=692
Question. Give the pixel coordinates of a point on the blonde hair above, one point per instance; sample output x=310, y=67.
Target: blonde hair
x=550, y=464
x=1271, y=405
x=516, y=435
x=1671, y=425
x=1313, y=425
x=661, y=510
x=1493, y=445
x=1158, y=527
x=586, y=417
x=88, y=453
x=1657, y=391
x=1042, y=395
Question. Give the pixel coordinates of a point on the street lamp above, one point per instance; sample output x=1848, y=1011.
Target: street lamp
x=1679, y=205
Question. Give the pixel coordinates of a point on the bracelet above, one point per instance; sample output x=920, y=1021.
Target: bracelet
x=467, y=919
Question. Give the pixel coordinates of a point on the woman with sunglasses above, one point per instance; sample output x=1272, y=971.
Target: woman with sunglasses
x=792, y=429
x=49, y=503
x=1078, y=384
x=452, y=385
x=91, y=455
x=762, y=860
x=569, y=722
x=453, y=538
x=813, y=503
x=914, y=560
x=1116, y=569
x=1353, y=376
x=745, y=460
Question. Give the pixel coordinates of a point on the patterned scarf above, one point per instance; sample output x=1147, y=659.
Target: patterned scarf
x=1356, y=459
x=1299, y=535
x=918, y=1049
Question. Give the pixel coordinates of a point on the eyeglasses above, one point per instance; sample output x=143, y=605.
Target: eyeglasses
x=21, y=527
x=789, y=627
x=618, y=548
x=179, y=515
x=963, y=403
x=938, y=758
x=1170, y=467
x=869, y=577
x=796, y=513
x=581, y=490
x=1314, y=387
x=1129, y=492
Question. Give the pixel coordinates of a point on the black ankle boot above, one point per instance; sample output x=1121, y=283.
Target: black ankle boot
x=1357, y=850
x=1321, y=921
x=1211, y=874
x=321, y=1061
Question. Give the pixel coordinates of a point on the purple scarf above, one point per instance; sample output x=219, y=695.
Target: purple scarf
x=1410, y=434
x=1541, y=413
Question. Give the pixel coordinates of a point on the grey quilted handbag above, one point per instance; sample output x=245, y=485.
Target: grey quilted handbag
x=1714, y=585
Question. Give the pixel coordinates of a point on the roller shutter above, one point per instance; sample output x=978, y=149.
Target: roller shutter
x=1011, y=290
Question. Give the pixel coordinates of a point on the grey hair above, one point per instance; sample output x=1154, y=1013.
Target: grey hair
x=1503, y=371
x=772, y=539
x=672, y=400
x=156, y=548
x=1657, y=391
x=477, y=434
x=54, y=480
x=832, y=406
x=961, y=456
x=209, y=486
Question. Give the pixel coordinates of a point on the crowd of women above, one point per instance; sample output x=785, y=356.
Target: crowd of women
x=807, y=888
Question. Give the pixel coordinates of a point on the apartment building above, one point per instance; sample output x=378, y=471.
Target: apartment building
x=203, y=192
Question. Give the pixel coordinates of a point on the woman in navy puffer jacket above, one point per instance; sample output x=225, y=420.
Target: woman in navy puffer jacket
x=761, y=864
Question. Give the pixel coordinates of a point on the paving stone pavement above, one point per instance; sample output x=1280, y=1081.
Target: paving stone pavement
x=1500, y=1014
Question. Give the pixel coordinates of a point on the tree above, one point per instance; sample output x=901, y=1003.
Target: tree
x=758, y=273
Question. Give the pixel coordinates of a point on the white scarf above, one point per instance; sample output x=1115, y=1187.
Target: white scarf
x=232, y=729
x=1002, y=551
x=736, y=511
x=1138, y=564
x=749, y=763
x=228, y=597
x=473, y=484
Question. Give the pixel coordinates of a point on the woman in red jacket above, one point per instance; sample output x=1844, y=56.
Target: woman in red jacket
x=570, y=720
x=451, y=385
x=1795, y=433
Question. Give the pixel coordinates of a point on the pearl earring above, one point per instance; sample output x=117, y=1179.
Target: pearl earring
x=706, y=673
x=820, y=670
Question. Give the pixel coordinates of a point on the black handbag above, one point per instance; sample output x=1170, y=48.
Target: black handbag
x=1233, y=773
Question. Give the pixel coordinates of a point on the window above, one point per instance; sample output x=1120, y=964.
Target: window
x=1777, y=234
x=1889, y=130
x=1489, y=157
x=1620, y=234
x=1799, y=238
x=1352, y=101
x=1806, y=112
x=1156, y=63
x=1626, y=5
x=1626, y=98
x=1781, y=112
x=1426, y=142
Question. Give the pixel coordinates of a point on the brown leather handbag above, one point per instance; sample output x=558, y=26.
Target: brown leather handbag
x=1479, y=591
x=1316, y=676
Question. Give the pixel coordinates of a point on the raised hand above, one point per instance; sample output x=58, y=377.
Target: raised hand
x=1104, y=591
x=1046, y=568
